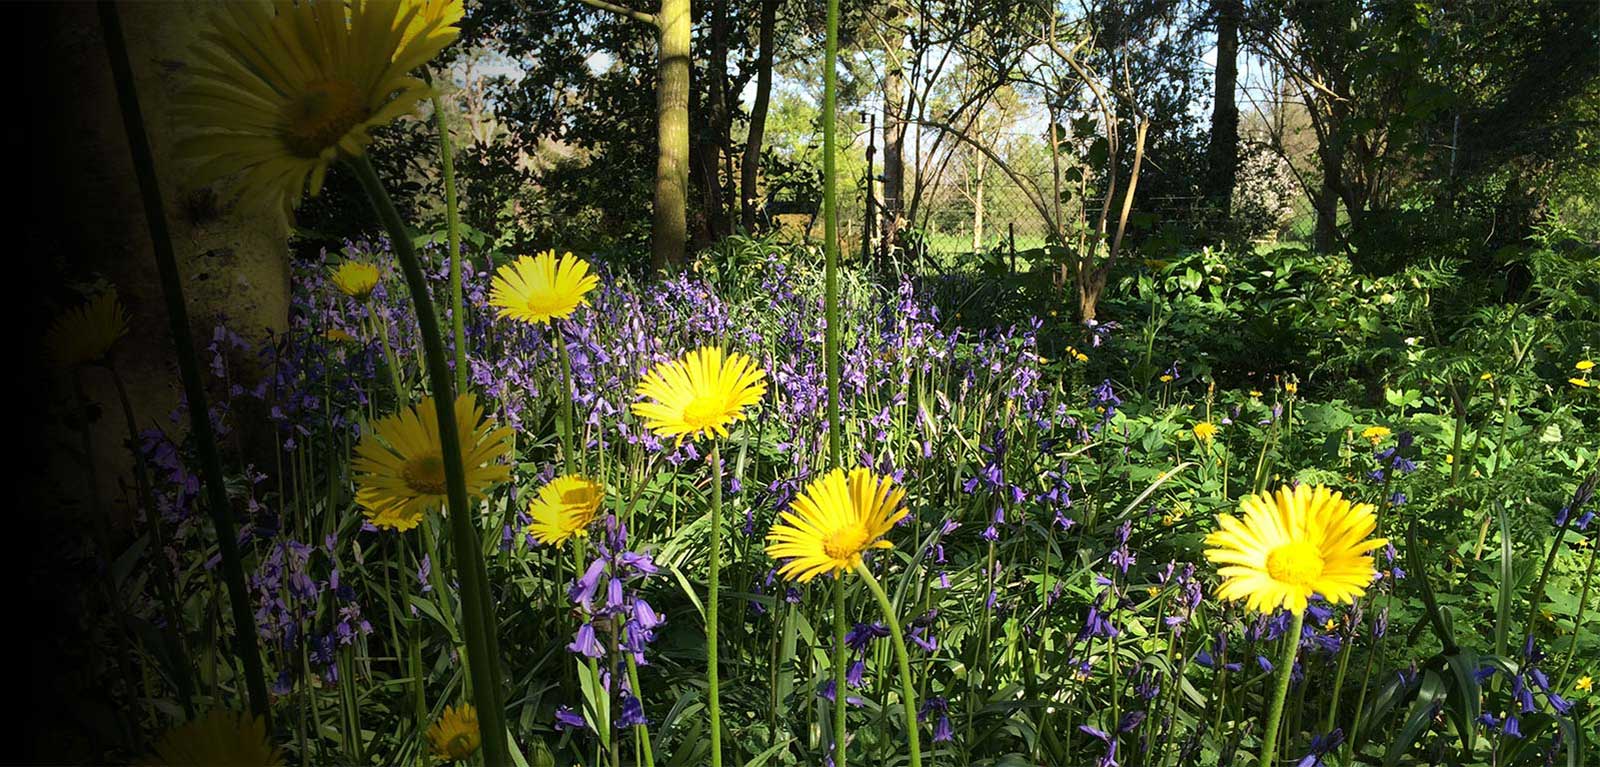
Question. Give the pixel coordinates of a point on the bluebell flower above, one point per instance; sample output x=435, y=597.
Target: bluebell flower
x=585, y=642
x=1321, y=746
x=631, y=714
x=567, y=719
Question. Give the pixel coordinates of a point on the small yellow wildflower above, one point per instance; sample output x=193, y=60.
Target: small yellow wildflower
x=1585, y=684
x=86, y=333
x=1166, y=378
x=455, y=735
x=1486, y=377
x=1375, y=434
x=1581, y=383
x=1584, y=366
x=356, y=279
x=1292, y=387
x=1204, y=431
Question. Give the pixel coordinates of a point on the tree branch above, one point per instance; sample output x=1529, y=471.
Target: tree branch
x=620, y=10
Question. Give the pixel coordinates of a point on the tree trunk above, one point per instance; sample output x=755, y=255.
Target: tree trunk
x=1326, y=237
x=750, y=168
x=892, y=206
x=715, y=142
x=669, y=228
x=977, y=210
x=1223, y=152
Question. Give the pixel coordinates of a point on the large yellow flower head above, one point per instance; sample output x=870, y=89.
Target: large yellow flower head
x=86, y=333
x=356, y=279
x=700, y=394
x=1301, y=541
x=221, y=737
x=1205, y=431
x=835, y=520
x=538, y=289
x=455, y=735
x=400, y=465
x=564, y=507
x=280, y=92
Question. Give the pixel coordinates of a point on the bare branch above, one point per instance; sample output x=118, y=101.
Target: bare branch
x=620, y=10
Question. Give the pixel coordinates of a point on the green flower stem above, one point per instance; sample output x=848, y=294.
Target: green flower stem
x=1338, y=677
x=567, y=419
x=714, y=705
x=176, y=624
x=839, y=704
x=641, y=731
x=482, y=650
x=452, y=228
x=1291, y=648
x=908, y=692
x=245, y=644
x=1577, y=621
x=382, y=324
x=830, y=226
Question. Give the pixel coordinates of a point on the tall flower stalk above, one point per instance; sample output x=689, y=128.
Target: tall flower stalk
x=452, y=227
x=830, y=249
x=703, y=394
x=827, y=530
x=482, y=644
x=188, y=366
x=1297, y=543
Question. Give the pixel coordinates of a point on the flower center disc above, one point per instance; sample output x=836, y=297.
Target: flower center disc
x=578, y=496
x=320, y=116
x=1297, y=563
x=844, y=544
x=545, y=302
x=425, y=475
x=703, y=411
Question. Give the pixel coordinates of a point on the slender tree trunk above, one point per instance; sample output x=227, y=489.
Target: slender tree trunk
x=1330, y=155
x=669, y=229
x=977, y=209
x=714, y=144
x=892, y=206
x=750, y=168
x=1223, y=153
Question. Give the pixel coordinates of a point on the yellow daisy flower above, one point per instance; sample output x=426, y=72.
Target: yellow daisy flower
x=564, y=507
x=280, y=92
x=86, y=333
x=1204, y=431
x=221, y=737
x=538, y=289
x=700, y=394
x=1302, y=541
x=1375, y=434
x=835, y=520
x=1583, y=366
x=455, y=735
x=435, y=20
x=400, y=468
x=356, y=279
x=1584, y=683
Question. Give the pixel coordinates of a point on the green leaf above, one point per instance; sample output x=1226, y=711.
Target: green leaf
x=1418, y=718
